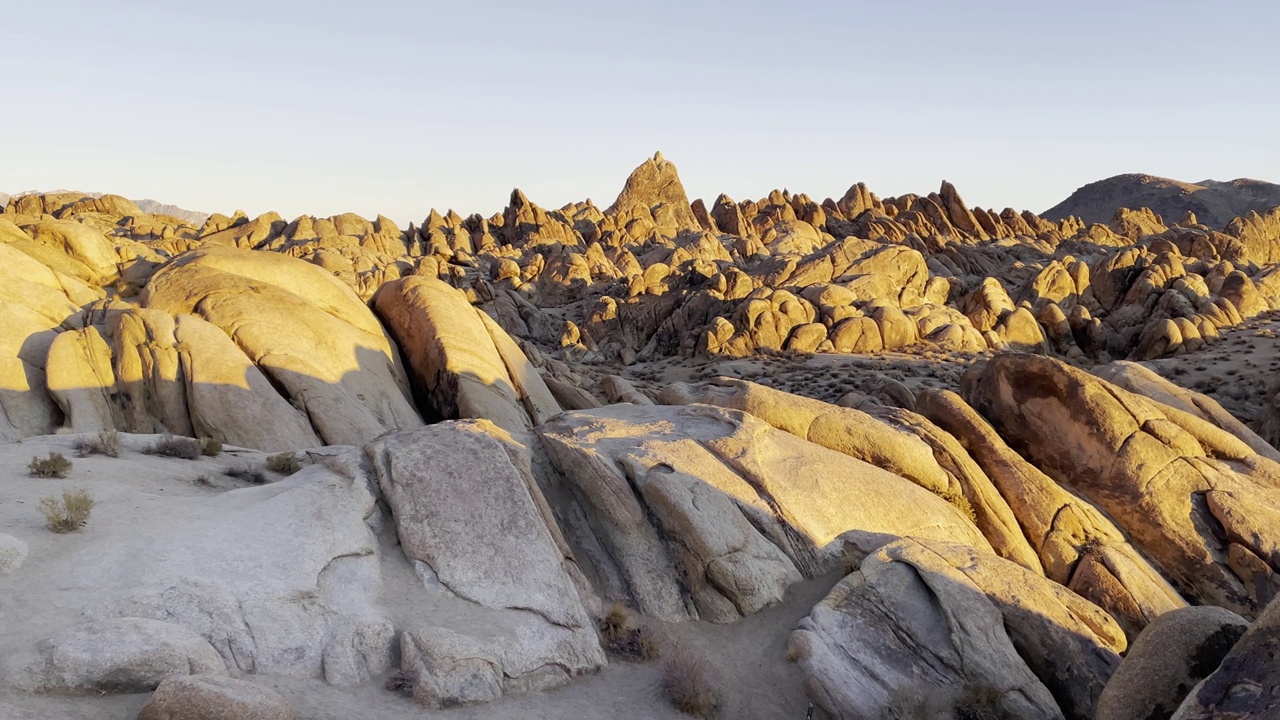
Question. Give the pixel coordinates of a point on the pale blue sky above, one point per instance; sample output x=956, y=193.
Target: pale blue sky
x=396, y=107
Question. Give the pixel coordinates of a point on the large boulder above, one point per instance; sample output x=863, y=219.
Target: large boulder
x=711, y=513
x=908, y=446
x=121, y=655
x=1174, y=653
x=1077, y=545
x=461, y=362
x=927, y=618
x=279, y=579
x=1195, y=498
x=1247, y=681
x=1140, y=379
x=473, y=522
x=303, y=329
x=213, y=697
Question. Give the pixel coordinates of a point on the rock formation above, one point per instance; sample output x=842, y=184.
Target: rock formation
x=953, y=457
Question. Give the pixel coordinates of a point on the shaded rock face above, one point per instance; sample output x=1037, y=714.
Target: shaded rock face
x=123, y=655
x=1247, y=682
x=477, y=528
x=211, y=697
x=462, y=363
x=1169, y=658
x=699, y=512
x=279, y=579
x=1195, y=498
x=1212, y=203
x=926, y=618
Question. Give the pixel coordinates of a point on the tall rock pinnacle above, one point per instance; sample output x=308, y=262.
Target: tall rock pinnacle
x=656, y=186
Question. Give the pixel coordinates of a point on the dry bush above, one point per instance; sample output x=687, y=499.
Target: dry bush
x=284, y=463
x=401, y=683
x=203, y=481
x=107, y=443
x=959, y=501
x=176, y=447
x=210, y=447
x=70, y=513
x=247, y=473
x=976, y=702
x=625, y=638
x=691, y=685
x=54, y=466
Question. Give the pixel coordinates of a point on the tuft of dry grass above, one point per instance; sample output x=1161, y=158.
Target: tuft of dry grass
x=625, y=638
x=210, y=447
x=691, y=684
x=54, y=466
x=247, y=473
x=284, y=463
x=107, y=443
x=176, y=447
x=68, y=514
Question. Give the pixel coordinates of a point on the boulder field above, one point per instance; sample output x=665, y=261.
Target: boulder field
x=338, y=469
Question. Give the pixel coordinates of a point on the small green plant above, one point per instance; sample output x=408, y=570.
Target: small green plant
x=107, y=443
x=210, y=447
x=284, y=463
x=691, y=685
x=68, y=514
x=54, y=466
x=625, y=638
x=176, y=447
x=247, y=473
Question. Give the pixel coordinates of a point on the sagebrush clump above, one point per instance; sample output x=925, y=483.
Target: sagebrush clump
x=54, y=466
x=284, y=463
x=691, y=684
x=107, y=443
x=210, y=447
x=401, y=683
x=176, y=447
x=247, y=473
x=68, y=514
x=625, y=638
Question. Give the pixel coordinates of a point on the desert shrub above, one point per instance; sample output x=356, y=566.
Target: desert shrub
x=284, y=463
x=203, y=481
x=210, y=447
x=401, y=683
x=975, y=702
x=247, y=473
x=107, y=443
x=625, y=638
x=176, y=447
x=68, y=514
x=959, y=501
x=691, y=685
x=54, y=466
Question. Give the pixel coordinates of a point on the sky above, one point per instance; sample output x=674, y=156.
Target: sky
x=396, y=107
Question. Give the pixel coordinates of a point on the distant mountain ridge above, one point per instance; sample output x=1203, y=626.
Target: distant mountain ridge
x=146, y=205
x=1214, y=202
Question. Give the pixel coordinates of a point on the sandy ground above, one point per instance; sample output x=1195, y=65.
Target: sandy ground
x=1237, y=370
x=750, y=655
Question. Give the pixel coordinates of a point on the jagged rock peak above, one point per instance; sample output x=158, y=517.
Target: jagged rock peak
x=656, y=184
